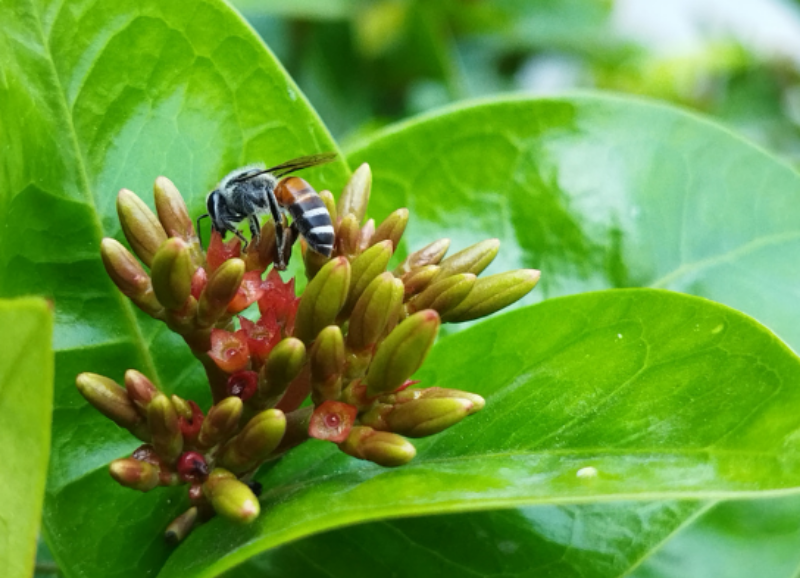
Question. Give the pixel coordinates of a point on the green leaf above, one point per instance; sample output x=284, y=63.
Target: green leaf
x=98, y=96
x=26, y=401
x=610, y=395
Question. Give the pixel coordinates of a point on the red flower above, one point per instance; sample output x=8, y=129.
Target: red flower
x=250, y=291
x=229, y=350
x=332, y=421
x=261, y=336
x=243, y=384
x=280, y=299
x=220, y=251
x=191, y=427
x=192, y=467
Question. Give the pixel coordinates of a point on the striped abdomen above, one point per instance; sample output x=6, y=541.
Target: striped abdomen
x=308, y=212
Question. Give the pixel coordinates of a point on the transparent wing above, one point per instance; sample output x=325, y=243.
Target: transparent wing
x=291, y=166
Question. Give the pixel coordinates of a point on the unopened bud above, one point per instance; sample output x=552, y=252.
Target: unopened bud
x=347, y=236
x=221, y=421
x=182, y=407
x=112, y=401
x=323, y=299
x=444, y=295
x=493, y=293
x=428, y=255
x=312, y=260
x=141, y=227
x=392, y=228
x=365, y=235
x=220, y=289
x=365, y=268
x=473, y=259
x=141, y=390
x=375, y=309
x=172, y=273
x=283, y=365
x=402, y=352
x=165, y=428
x=175, y=219
x=255, y=442
x=231, y=498
x=192, y=467
x=330, y=204
x=355, y=196
x=130, y=277
x=180, y=527
x=134, y=474
x=413, y=393
x=383, y=448
x=424, y=417
x=418, y=280
x=327, y=359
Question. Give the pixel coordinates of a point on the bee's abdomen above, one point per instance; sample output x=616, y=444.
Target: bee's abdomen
x=308, y=212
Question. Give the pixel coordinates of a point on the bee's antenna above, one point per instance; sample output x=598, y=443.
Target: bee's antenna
x=199, y=234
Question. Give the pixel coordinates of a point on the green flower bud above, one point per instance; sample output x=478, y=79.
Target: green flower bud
x=255, y=442
x=113, y=402
x=165, y=428
x=330, y=204
x=221, y=421
x=375, y=309
x=327, y=359
x=445, y=294
x=402, y=352
x=172, y=272
x=312, y=260
x=365, y=268
x=134, y=474
x=219, y=290
x=231, y=498
x=412, y=393
x=391, y=229
x=182, y=407
x=424, y=417
x=473, y=259
x=180, y=527
x=493, y=293
x=323, y=299
x=283, y=365
x=365, y=235
x=141, y=227
x=428, y=255
x=140, y=390
x=347, y=237
x=383, y=448
x=419, y=279
x=130, y=277
x=355, y=196
x=175, y=219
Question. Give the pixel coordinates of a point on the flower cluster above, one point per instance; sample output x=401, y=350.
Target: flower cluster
x=351, y=341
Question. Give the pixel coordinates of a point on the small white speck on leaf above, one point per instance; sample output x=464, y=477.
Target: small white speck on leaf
x=587, y=472
x=718, y=328
x=619, y=335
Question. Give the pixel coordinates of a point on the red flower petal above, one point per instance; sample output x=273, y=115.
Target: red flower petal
x=190, y=428
x=243, y=384
x=332, y=421
x=250, y=290
x=280, y=299
x=261, y=336
x=192, y=467
x=229, y=350
x=220, y=251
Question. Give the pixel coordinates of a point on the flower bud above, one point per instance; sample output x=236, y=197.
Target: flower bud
x=143, y=231
x=312, y=260
x=392, y=228
x=180, y=527
x=413, y=393
x=172, y=273
x=327, y=363
x=129, y=276
x=383, y=448
x=445, y=294
x=493, y=293
x=190, y=427
x=192, y=467
x=323, y=299
x=134, y=474
x=418, y=280
x=243, y=384
x=255, y=442
x=283, y=365
x=220, y=289
x=231, y=498
x=473, y=259
x=330, y=204
x=364, y=269
x=365, y=235
x=221, y=421
x=140, y=390
x=265, y=253
x=428, y=255
x=332, y=421
x=402, y=352
x=375, y=309
x=424, y=417
x=182, y=407
x=347, y=236
x=175, y=219
x=355, y=196
x=113, y=402
x=165, y=428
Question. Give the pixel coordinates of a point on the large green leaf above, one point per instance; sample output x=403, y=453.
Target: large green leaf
x=608, y=395
x=26, y=401
x=98, y=96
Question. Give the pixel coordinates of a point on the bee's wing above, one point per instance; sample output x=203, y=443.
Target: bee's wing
x=292, y=166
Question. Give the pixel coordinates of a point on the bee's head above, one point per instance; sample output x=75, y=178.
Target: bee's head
x=216, y=207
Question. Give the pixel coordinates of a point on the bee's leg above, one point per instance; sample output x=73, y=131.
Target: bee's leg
x=255, y=229
x=280, y=237
x=243, y=239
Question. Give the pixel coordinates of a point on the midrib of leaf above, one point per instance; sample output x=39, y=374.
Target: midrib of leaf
x=127, y=308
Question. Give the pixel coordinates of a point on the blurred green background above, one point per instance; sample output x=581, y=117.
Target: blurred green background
x=365, y=64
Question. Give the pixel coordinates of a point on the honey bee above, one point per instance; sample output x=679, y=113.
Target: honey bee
x=250, y=191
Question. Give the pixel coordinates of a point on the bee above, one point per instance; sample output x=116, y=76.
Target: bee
x=250, y=191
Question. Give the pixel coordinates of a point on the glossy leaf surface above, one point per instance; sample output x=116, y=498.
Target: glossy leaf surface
x=608, y=395
x=26, y=400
